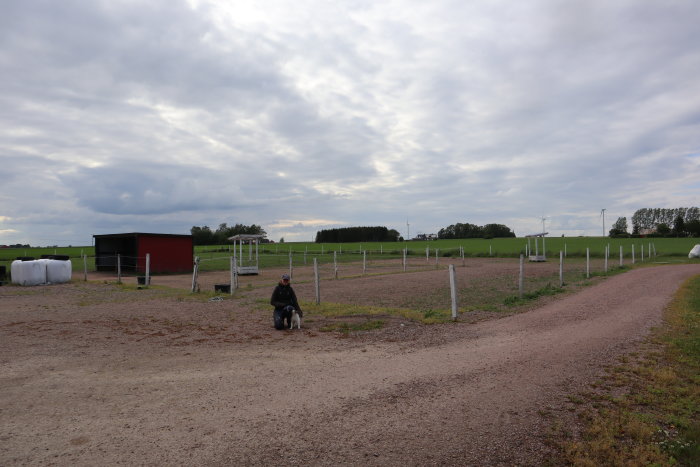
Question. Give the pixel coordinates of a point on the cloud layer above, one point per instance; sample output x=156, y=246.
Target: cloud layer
x=157, y=116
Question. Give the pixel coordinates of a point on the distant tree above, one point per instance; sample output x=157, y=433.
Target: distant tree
x=693, y=228
x=467, y=230
x=282, y=240
x=357, y=234
x=679, y=227
x=663, y=229
x=204, y=235
x=619, y=228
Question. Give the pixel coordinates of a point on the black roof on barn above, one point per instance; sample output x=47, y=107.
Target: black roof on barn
x=136, y=234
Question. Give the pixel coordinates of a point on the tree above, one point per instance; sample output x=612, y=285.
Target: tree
x=663, y=229
x=619, y=228
x=679, y=227
x=693, y=228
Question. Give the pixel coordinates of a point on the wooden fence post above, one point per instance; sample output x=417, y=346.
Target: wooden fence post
x=521, y=276
x=317, y=285
x=453, y=292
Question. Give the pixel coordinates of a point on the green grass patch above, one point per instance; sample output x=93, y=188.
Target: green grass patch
x=656, y=421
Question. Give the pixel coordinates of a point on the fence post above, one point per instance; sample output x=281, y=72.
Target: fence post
x=561, y=268
x=520, y=276
x=317, y=285
x=461, y=248
x=633, y=259
x=427, y=254
x=232, y=264
x=335, y=265
x=453, y=292
x=364, y=262
x=84, y=267
x=148, y=269
x=194, y=273
x=642, y=252
x=119, y=269
x=620, y=255
x=490, y=253
x=404, y=259
x=588, y=263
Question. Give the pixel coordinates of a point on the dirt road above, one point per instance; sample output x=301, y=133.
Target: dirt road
x=485, y=397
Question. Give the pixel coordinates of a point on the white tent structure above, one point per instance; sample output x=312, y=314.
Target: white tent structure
x=537, y=257
x=250, y=265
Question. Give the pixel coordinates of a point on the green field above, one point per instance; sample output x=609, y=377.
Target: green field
x=216, y=257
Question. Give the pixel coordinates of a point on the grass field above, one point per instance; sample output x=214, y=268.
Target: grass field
x=216, y=257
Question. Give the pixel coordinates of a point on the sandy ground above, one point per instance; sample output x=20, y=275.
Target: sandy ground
x=93, y=374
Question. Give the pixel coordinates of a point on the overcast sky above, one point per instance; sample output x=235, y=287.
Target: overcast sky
x=158, y=115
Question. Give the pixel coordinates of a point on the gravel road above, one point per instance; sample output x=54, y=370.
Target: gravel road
x=76, y=393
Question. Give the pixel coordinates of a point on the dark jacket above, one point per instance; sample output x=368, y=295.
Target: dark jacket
x=284, y=295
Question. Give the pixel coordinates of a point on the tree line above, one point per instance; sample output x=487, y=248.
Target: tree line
x=474, y=231
x=205, y=236
x=664, y=222
x=358, y=234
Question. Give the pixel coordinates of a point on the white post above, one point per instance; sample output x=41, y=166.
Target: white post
x=381, y=249
x=588, y=263
x=642, y=252
x=84, y=267
x=561, y=268
x=194, y=273
x=649, y=252
x=490, y=250
x=453, y=292
x=364, y=262
x=317, y=284
x=633, y=260
x=232, y=271
x=521, y=276
x=620, y=255
x=462, y=250
x=148, y=269
x=257, y=256
x=119, y=269
x=404, y=260
x=427, y=254
x=335, y=265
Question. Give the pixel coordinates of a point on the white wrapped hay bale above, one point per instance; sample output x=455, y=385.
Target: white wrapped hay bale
x=28, y=272
x=58, y=271
x=695, y=252
x=16, y=271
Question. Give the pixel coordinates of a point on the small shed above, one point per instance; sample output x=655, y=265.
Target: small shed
x=249, y=265
x=169, y=253
x=537, y=257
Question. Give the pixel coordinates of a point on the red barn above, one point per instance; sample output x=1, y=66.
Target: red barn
x=168, y=253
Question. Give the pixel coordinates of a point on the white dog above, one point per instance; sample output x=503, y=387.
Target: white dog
x=296, y=319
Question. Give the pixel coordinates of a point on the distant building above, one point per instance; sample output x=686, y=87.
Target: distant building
x=168, y=253
x=426, y=237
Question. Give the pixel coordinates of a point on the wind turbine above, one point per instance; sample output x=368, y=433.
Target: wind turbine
x=602, y=214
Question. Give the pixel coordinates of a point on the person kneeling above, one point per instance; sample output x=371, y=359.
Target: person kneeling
x=285, y=302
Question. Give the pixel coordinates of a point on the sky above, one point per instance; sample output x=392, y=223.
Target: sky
x=159, y=115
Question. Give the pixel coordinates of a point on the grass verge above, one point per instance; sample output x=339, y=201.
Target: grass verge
x=646, y=410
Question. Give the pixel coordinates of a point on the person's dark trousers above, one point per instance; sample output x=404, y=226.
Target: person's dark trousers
x=279, y=316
